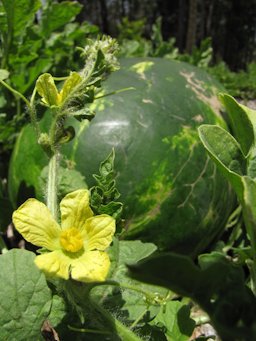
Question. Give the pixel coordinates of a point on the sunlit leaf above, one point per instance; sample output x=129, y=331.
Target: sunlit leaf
x=4, y=74
x=241, y=121
x=20, y=15
x=226, y=153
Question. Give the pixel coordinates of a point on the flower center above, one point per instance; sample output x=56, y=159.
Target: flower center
x=71, y=240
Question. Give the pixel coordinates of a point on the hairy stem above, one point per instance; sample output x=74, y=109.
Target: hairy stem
x=15, y=92
x=52, y=185
x=123, y=332
x=148, y=295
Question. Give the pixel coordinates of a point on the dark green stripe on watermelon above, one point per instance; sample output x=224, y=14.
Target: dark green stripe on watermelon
x=172, y=192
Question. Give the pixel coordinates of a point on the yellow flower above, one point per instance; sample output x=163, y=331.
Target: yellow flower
x=77, y=247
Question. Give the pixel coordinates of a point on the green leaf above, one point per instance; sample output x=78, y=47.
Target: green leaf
x=226, y=153
x=67, y=135
x=46, y=88
x=105, y=194
x=58, y=310
x=25, y=297
x=83, y=114
x=140, y=297
x=69, y=180
x=218, y=286
x=57, y=15
x=249, y=208
x=24, y=79
x=251, y=167
x=174, y=317
x=242, y=125
x=4, y=74
x=20, y=15
x=70, y=84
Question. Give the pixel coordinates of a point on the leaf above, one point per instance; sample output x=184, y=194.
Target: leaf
x=4, y=74
x=24, y=80
x=140, y=297
x=25, y=297
x=69, y=180
x=226, y=153
x=249, y=208
x=58, y=310
x=174, y=316
x=57, y=15
x=218, y=286
x=105, y=193
x=67, y=135
x=83, y=114
x=46, y=88
x=20, y=15
x=70, y=83
x=242, y=125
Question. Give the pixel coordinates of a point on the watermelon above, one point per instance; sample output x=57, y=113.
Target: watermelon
x=172, y=192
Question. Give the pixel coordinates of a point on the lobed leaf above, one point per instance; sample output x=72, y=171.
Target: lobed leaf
x=105, y=193
x=174, y=317
x=131, y=302
x=20, y=15
x=218, y=286
x=57, y=15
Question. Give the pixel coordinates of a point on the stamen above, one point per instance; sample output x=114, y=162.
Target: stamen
x=71, y=240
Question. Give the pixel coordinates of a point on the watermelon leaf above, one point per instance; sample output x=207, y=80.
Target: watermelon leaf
x=174, y=318
x=83, y=114
x=249, y=208
x=241, y=121
x=3, y=74
x=218, y=286
x=69, y=180
x=105, y=193
x=58, y=310
x=226, y=153
x=132, y=298
x=25, y=297
x=57, y=15
x=20, y=15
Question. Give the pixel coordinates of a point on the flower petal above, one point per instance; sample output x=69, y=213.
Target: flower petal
x=54, y=263
x=92, y=266
x=75, y=209
x=99, y=232
x=36, y=224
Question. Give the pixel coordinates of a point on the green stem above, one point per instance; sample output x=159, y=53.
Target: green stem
x=33, y=116
x=91, y=331
x=114, y=92
x=252, y=268
x=34, y=122
x=134, y=324
x=15, y=92
x=123, y=332
x=52, y=185
x=151, y=297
